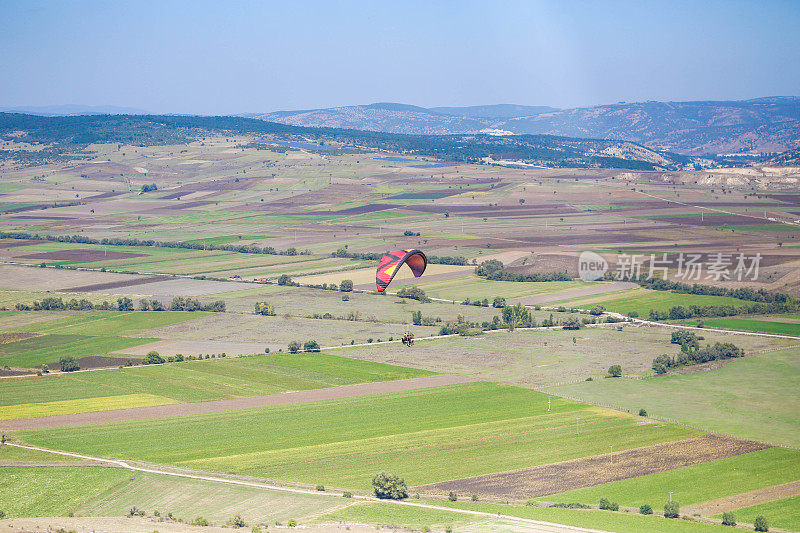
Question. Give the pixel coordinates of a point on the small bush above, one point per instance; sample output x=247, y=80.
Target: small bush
x=237, y=521
x=255, y=529
x=68, y=364
x=294, y=347
x=474, y=497
x=452, y=496
x=448, y=529
x=199, y=521
x=292, y=522
x=671, y=510
x=728, y=519
x=152, y=358
x=321, y=488
x=608, y=505
x=642, y=412
x=645, y=509
x=2, y=514
x=347, y=494
x=311, y=346
x=571, y=505
x=761, y=523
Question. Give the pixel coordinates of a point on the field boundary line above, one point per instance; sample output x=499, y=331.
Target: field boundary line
x=123, y=464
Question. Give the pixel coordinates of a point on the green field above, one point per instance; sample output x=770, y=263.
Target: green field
x=66, y=407
x=427, y=435
x=474, y=287
x=398, y=515
x=84, y=347
x=594, y=519
x=764, y=326
x=27, y=492
x=642, y=301
x=783, y=513
x=86, y=334
x=99, y=491
x=756, y=397
x=100, y=323
x=697, y=483
x=192, y=381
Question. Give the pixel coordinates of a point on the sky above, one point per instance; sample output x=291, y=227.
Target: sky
x=220, y=57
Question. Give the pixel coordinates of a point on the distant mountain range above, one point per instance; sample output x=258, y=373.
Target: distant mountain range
x=73, y=109
x=770, y=124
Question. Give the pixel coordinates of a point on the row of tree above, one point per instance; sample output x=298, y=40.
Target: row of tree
x=132, y=241
x=179, y=303
x=680, y=312
x=376, y=256
x=495, y=271
x=692, y=354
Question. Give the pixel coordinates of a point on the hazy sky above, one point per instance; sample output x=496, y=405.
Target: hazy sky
x=231, y=57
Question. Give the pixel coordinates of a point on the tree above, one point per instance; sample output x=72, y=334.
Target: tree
x=68, y=364
x=144, y=305
x=672, y=510
x=642, y=412
x=615, y=371
x=416, y=318
x=499, y=302
x=572, y=323
x=311, y=346
x=124, y=304
x=346, y=285
x=728, y=519
x=608, y=505
x=294, y=347
x=263, y=308
x=284, y=279
x=389, y=486
x=761, y=523
x=237, y=521
x=645, y=509
x=152, y=358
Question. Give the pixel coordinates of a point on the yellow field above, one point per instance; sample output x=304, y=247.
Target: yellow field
x=83, y=405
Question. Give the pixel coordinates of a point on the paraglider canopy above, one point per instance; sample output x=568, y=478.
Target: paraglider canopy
x=391, y=262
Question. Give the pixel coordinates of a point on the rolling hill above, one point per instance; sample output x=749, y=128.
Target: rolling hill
x=770, y=124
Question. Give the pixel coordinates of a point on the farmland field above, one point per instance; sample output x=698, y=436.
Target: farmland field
x=533, y=413
x=764, y=326
x=203, y=380
x=783, y=513
x=724, y=400
x=405, y=427
x=696, y=483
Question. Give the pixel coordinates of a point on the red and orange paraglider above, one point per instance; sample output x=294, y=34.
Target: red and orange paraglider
x=391, y=263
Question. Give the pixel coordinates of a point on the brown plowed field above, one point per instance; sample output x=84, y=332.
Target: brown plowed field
x=732, y=503
x=117, y=284
x=597, y=470
x=179, y=409
x=15, y=243
x=14, y=337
